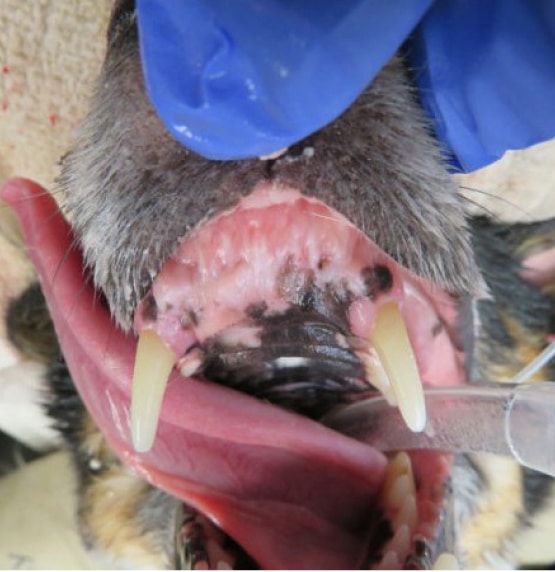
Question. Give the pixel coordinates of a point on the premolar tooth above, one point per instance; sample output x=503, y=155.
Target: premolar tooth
x=153, y=364
x=392, y=344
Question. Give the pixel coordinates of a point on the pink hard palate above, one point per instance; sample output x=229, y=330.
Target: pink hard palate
x=291, y=492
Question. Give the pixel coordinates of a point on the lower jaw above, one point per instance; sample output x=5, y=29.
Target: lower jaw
x=410, y=529
x=103, y=369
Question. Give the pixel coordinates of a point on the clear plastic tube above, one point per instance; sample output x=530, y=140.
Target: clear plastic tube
x=504, y=419
x=535, y=365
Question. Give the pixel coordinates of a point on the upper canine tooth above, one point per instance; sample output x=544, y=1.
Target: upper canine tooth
x=393, y=348
x=154, y=362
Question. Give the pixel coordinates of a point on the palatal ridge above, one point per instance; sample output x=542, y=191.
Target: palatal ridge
x=390, y=365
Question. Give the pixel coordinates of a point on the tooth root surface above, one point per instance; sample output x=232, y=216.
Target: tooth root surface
x=153, y=364
x=393, y=348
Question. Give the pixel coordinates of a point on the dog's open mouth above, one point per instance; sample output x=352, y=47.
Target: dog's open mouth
x=284, y=300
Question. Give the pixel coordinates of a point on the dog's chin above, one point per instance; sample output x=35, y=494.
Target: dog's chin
x=289, y=491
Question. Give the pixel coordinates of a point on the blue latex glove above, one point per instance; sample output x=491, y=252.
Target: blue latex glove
x=486, y=72
x=240, y=78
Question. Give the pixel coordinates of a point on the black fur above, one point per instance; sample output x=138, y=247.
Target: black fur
x=29, y=326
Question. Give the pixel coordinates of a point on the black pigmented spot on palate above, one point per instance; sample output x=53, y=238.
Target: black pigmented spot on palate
x=193, y=317
x=384, y=279
x=150, y=309
x=188, y=319
x=308, y=300
x=378, y=279
x=323, y=263
x=256, y=311
x=437, y=329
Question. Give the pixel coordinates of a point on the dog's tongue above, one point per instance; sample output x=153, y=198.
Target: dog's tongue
x=291, y=492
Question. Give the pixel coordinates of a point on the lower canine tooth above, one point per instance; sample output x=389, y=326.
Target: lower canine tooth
x=154, y=362
x=392, y=344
